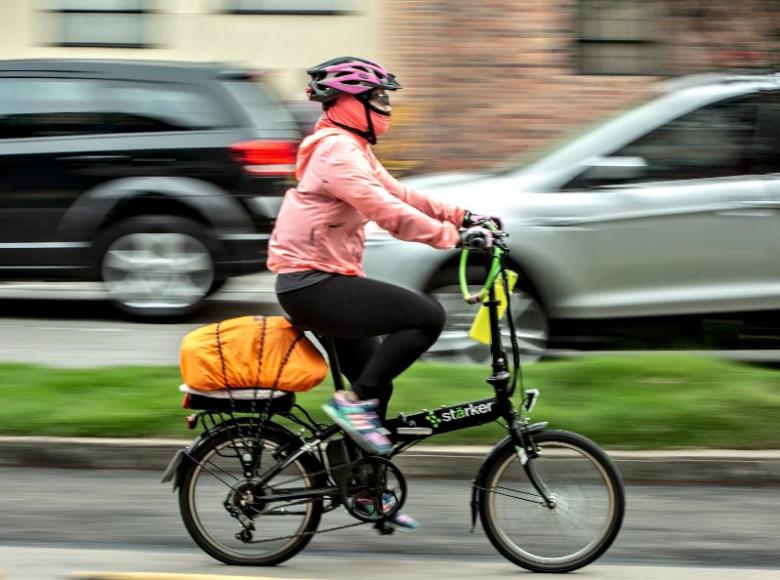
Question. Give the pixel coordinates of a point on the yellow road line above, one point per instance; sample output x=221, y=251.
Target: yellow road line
x=158, y=576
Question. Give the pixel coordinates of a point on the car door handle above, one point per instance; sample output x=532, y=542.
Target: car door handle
x=154, y=160
x=764, y=204
x=559, y=222
x=94, y=158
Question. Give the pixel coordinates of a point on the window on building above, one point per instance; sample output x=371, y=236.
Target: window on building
x=617, y=37
x=289, y=6
x=100, y=23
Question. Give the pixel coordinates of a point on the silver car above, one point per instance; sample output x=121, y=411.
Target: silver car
x=672, y=207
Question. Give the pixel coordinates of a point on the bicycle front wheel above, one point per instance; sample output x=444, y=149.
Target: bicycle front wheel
x=589, y=504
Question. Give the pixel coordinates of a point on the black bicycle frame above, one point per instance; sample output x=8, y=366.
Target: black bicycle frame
x=444, y=419
x=406, y=430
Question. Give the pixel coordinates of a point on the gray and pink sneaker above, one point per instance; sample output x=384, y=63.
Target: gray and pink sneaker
x=360, y=421
x=399, y=521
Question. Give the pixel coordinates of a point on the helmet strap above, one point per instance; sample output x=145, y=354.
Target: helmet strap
x=371, y=133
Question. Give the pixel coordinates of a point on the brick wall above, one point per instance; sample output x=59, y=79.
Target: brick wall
x=490, y=79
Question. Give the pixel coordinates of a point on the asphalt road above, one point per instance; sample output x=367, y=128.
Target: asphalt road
x=74, y=324
x=57, y=522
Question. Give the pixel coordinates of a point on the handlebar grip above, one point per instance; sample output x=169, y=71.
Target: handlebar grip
x=474, y=298
x=476, y=238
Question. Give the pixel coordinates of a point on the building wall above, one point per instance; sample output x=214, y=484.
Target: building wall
x=199, y=30
x=484, y=80
x=503, y=79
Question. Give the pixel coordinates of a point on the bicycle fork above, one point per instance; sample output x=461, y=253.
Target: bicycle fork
x=527, y=451
x=521, y=438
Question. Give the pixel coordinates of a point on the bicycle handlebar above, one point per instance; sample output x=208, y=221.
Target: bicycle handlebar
x=495, y=269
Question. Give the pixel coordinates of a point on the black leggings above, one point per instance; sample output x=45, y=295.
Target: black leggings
x=356, y=312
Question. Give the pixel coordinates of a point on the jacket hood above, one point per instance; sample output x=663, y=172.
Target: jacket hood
x=323, y=128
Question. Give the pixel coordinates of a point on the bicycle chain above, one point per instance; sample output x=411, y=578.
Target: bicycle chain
x=307, y=533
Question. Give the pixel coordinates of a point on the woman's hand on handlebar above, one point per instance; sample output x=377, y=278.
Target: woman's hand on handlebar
x=476, y=238
x=474, y=219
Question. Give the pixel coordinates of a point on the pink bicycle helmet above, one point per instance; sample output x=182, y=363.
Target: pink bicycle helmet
x=348, y=75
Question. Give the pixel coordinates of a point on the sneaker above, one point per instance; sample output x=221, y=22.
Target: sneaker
x=403, y=523
x=399, y=521
x=360, y=421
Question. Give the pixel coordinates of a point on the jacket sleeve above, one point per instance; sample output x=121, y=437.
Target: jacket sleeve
x=430, y=207
x=347, y=175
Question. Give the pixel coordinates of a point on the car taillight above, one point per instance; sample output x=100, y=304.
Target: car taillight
x=270, y=158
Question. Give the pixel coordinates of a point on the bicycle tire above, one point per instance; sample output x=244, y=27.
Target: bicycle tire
x=534, y=543
x=310, y=473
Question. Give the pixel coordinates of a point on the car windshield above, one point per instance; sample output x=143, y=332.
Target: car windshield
x=526, y=158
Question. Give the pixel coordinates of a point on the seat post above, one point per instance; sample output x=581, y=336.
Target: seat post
x=335, y=366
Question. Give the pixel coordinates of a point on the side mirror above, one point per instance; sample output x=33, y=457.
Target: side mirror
x=607, y=170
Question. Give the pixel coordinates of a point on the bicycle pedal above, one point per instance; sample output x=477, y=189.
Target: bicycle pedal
x=384, y=529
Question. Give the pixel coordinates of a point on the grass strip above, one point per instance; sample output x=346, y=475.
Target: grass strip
x=638, y=402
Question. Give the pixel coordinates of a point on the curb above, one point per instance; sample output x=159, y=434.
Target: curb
x=161, y=576
x=458, y=462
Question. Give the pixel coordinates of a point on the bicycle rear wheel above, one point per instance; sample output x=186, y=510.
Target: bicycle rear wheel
x=589, y=504
x=214, y=483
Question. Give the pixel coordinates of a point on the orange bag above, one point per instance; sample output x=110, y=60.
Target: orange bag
x=251, y=352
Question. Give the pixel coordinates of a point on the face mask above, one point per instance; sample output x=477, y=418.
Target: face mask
x=381, y=122
x=349, y=111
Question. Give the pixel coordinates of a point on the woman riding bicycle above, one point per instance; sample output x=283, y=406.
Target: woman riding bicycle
x=318, y=241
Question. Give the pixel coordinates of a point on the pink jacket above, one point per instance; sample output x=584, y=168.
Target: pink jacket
x=341, y=186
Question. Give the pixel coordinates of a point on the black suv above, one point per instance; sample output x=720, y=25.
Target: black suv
x=161, y=179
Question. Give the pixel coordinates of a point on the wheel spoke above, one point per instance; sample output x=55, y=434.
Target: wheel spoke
x=158, y=270
x=190, y=263
x=583, y=520
x=129, y=261
x=517, y=494
x=281, y=526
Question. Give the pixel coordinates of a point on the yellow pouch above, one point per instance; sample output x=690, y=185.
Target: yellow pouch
x=480, y=328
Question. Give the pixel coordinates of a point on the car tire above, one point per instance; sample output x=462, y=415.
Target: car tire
x=454, y=344
x=157, y=266
x=216, y=286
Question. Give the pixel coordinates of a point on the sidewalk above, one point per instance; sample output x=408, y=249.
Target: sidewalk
x=459, y=462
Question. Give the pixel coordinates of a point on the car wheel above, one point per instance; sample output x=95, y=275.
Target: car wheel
x=216, y=286
x=157, y=266
x=455, y=345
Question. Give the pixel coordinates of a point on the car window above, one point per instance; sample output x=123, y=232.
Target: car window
x=767, y=140
x=49, y=107
x=264, y=111
x=134, y=107
x=714, y=141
